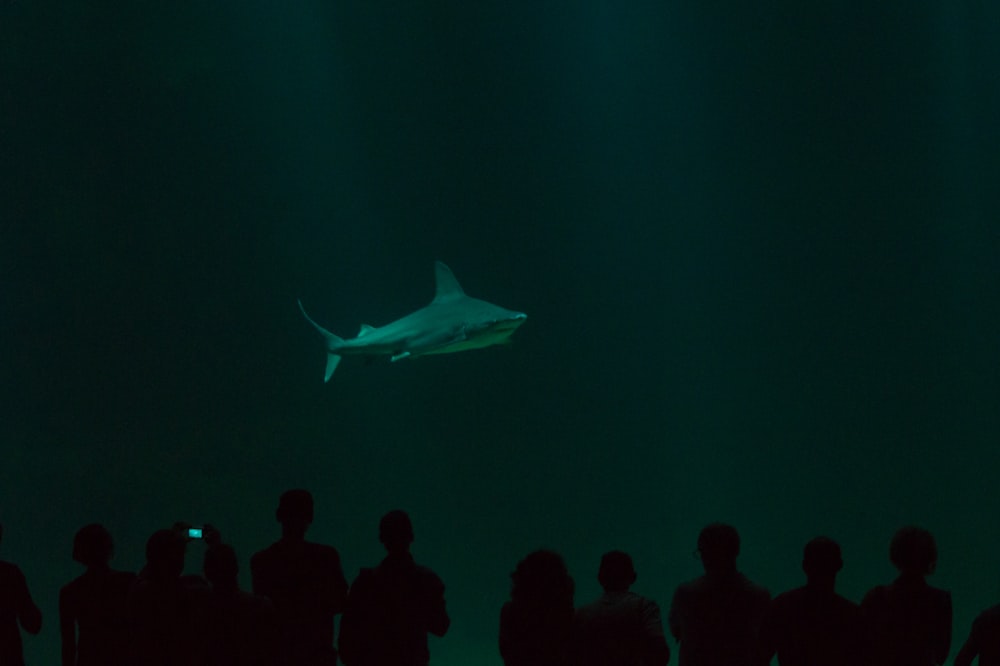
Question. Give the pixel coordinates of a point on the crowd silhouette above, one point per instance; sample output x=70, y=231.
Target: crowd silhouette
x=161, y=617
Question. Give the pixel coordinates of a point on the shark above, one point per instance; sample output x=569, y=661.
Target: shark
x=452, y=322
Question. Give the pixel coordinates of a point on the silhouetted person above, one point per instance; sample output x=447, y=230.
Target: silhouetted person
x=813, y=625
x=910, y=620
x=716, y=617
x=164, y=607
x=92, y=620
x=241, y=627
x=983, y=640
x=16, y=607
x=536, y=624
x=391, y=608
x=304, y=581
x=621, y=628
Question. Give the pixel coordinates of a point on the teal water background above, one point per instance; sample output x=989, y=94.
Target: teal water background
x=758, y=248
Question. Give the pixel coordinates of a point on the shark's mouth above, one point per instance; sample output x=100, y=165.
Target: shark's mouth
x=505, y=326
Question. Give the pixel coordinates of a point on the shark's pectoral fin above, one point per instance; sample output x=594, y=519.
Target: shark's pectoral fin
x=400, y=356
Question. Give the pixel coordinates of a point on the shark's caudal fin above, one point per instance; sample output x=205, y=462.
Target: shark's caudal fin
x=332, y=344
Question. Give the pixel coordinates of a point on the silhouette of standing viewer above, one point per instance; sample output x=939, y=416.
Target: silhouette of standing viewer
x=813, y=625
x=391, y=608
x=305, y=583
x=92, y=620
x=163, y=606
x=716, y=617
x=16, y=607
x=537, y=622
x=241, y=629
x=910, y=620
x=621, y=628
x=983, y=640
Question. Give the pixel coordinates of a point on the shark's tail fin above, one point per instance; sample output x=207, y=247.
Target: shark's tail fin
x=333, y=343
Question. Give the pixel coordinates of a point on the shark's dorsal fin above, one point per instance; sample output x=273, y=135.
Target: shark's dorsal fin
x=446, y=286
x=365, y=330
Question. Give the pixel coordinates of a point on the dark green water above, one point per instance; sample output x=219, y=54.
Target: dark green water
x=758, y=249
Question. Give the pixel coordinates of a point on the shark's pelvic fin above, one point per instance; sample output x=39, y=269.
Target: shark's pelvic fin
x=333, y=343
x=446, y=286
x=399, y=357
x=332, y=360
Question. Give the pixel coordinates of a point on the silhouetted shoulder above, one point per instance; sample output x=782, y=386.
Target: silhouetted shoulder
x=621, y=627
x=280, y=552
x=900, y=593
x=788, y=599
x=690, y=587
x=987, y=623
x=114, y=583
x=11, y=578
x=15, y=599
x=323, y=553
x=267, y=556
x=758, y=592
x=285, y=564
x=92, y=593
x=800, y=596
x=716, y=618
x=14, y=593
x=875, y=597
x=910, y=621
x=626, y=603
x=942, y=597
x=808, y=627
x=15, y=602
x=430, y=580
x=704, y=585
x=984, y=639
x=534, y=636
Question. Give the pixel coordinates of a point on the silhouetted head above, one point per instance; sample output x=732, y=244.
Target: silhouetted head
x=718, y=546
x=165, y=554
x=617, y=572
x=93, y=546
x=295, y=511
x=542, y=580
x=395, y=531
x=913, y=551
x=821, y=559
x=221, y=567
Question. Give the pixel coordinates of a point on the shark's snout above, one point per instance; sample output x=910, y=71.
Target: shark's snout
x=510, y=323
